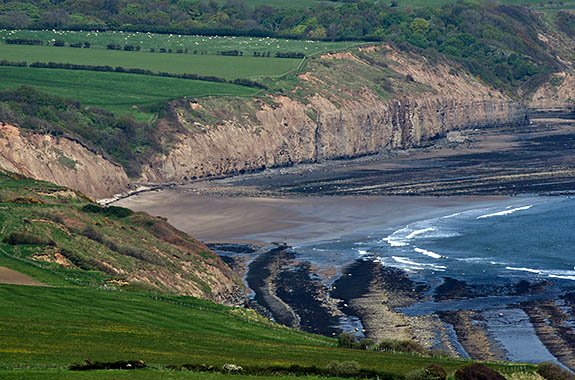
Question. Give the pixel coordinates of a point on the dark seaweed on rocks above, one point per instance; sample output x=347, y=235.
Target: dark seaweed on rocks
x=262, y=271
x=305, y=295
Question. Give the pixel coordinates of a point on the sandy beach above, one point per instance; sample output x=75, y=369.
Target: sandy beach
x=295, y=220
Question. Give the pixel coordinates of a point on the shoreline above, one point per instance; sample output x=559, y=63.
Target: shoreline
x=311, y=221
x=301, y=220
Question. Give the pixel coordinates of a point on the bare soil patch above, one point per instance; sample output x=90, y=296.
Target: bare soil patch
x=9, y=276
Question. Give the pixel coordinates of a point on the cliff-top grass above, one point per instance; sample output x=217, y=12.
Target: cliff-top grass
x=57, y=326
x=201, y=44
x=116, y=92
x=221, y=66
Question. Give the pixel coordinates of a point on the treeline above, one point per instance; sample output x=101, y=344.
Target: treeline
x=60, y=43
x=23, y=41
x=120, y=69
x=498, y=43
x=116, y=46
x=118, y=138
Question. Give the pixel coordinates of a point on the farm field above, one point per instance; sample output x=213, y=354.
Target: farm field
x=116, y=92
x=221, y=66
x=130, y=375
x=207, y=44
x=58, y=326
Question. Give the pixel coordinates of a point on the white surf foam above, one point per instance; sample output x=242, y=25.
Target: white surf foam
x=537, y=271
x=505, y=212
x=419, y=232
x=560, y=274
x=362, y=252
x=572, y=278
x=406, y=261
x=393, y=242
x=453, y=215
x=427, y=253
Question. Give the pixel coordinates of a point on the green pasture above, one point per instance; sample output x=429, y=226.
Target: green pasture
x=208, y=44
x=220, y=66
x=133, y=375
x=43, y=327
x=116, y=92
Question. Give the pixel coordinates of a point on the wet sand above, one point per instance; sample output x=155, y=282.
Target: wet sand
x=294, y=220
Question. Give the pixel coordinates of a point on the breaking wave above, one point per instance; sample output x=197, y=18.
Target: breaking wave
x=505, y=212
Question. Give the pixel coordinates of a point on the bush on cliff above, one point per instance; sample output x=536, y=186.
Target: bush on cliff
x=26, y=238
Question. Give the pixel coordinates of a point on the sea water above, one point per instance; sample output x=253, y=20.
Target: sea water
x=493, y=246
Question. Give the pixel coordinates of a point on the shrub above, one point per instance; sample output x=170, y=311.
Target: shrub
x=23, y=41
x=26, y=201
x=93, y=234
x=120, y=364
x=119, y=212
x=435, y=372
x=477, y=372
x=86, y=263
x=26, y=238
x=347, y=340
x=367, y=344
x=59, y=43
x=343, y=369
x=401, y=346
x=289, y=54
x=431, y=372
x=552, y=371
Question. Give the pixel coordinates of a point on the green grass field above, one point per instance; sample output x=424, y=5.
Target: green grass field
x=138, y=375
x=43, y=327
x=220, y=66
x=115, y=92
x=211, y=45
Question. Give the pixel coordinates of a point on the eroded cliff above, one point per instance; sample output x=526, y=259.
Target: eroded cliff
x=344, y=105
x=61, y=161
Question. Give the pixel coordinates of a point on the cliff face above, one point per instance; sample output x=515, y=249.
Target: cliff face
x=61, y=161
x=346, y=105
x=557, y=95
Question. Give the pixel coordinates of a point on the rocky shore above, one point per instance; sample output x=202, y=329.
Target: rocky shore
x=299, y=294
x=508, y=160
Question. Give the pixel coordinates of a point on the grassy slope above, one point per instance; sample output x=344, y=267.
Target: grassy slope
x=220, y=66
x=43, y=328
x=115, y=92
x=57, y=326
x=138, y=375
x=211, y=44
x=146, y=251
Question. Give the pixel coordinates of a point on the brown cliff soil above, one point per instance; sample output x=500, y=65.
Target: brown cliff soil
x=345, y=105
x=537, y=159
x=61, y=161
